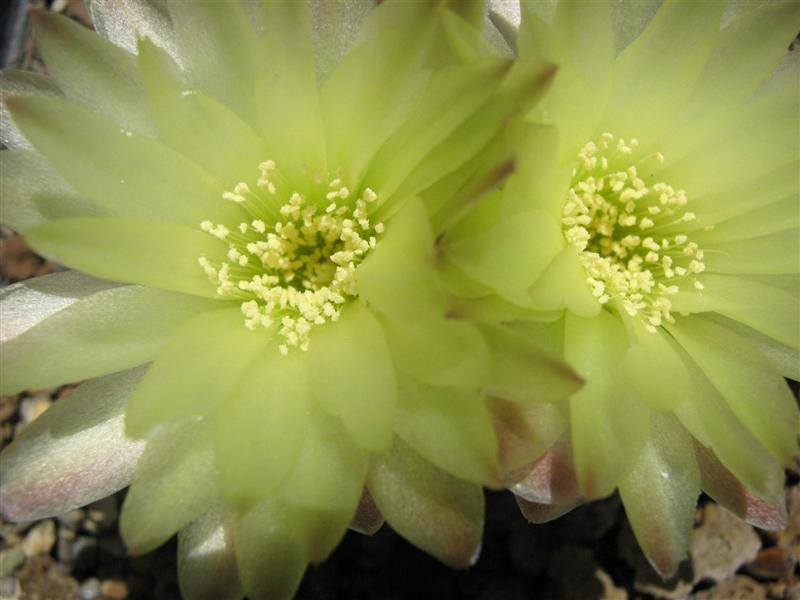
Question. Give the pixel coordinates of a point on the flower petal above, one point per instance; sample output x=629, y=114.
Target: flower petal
x=537, y=513
x=161, y=255
x=510, y=243
x=74, y=454
x=451, y=428
x=91, y=71
x=609, y=422
x=368, y=519
x=550, y=480
x=438, y=513
x=748, y=51
x=767, y=309
x=174, y=483
x=776, y=253
x=287, y=95
x=198, y=125
x=586, y=36
x=32, y=193
x=127, y=174
x=660, y=494
x=124, y=23
x=20, y=83
x=352, y=375
x=207, y=559
x=767, y=511
x=80, y=328
x=562, y=285
x=440, y=353
x=524, y=432
x=220, y=52
x=260, y=429
x=743, y=378
x=642, y=105
x=196, y=370
x=334, y=30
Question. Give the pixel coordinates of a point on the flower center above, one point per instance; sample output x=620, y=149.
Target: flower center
x=628, y=232
x=293, y=264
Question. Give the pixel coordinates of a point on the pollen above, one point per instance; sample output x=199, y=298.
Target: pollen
x=630, y=233
x=292, y=264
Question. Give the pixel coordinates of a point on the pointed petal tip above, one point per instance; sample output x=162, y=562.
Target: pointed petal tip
x=368, y=518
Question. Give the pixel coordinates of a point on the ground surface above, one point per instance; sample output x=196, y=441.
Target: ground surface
x=586, y=555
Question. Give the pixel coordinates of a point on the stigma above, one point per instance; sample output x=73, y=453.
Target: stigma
x=292, y=262
x=629, y=231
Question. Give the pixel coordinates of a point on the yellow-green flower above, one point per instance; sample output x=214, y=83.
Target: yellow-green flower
x=651, y=229
x=249, y=221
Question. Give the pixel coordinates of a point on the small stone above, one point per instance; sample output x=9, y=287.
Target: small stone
x=66, y=542
x=722, y=544
x=32, y=408
x=10, y=559
x=737, y=588
x=8, y=406
x=90, y=589
x=72, y=519
x=771, y=563
x=40, y=539
x=610, y=590
x=104, y=512
x=114, y=589
x=10, y=588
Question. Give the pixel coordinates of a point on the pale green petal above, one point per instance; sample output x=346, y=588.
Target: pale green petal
x=563, y=286
x=434, y=511
x=152, y=253
x=287, y=95
x=121, y=172
x=765, y=512
x=630, y=18
x=654, y=367
x=660, y=494
x=440, y=353
x=81, y=329
x=609, y=422
x=20, y=83
x=358, y=123
x=744, y=379
x=524, y=433
x=537, y=513
x=368, y=519
x=708, y=418
x=220, y=51
x=326, y=484
x=73, y=454
x=777, y=217
x=748, y=51
x=767, y=309
x=762, y=138
x=402, y=262
x=352, y=375
x=778, y=253
x=32, y=193
x=92, y=71
x=524, y=372
x=270, y=551
x=451, y=428
x=207, y=558
x=174, y=483
x=334, y=30
x=524, y=245
x=197, y=125
x=505, y=16
x=551, y=479
x=408, y=160
x=585, y=33
x=642, y=105
x=260, y=426
x=123, y=23
x=196, y=370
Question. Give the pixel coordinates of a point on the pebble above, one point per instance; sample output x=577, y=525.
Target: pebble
x=90, y=589
x=771, y=563
x=31, y=408
x=722, y=544
x=10, y=559
x=72, y=519
x=40, y=539
x=104, y=512
x=114, y=589
x=9, y=588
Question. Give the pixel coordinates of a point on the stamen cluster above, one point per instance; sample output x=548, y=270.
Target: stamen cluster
x=292, y=267
x=624, y=231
